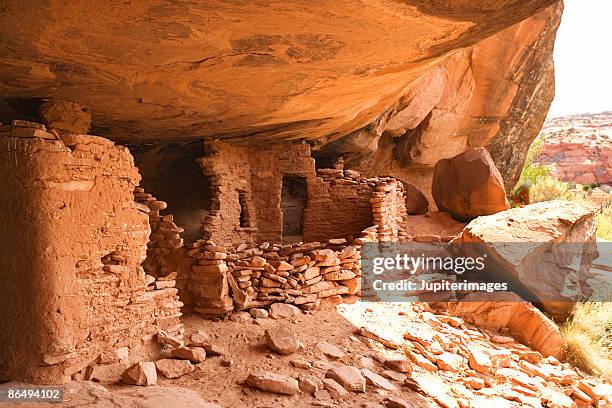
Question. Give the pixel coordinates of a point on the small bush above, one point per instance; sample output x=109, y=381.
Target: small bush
x=590, y=186
x=588, y=338
x=549, y=188
x=532, y=172
x=536, y=183
x=604, y=223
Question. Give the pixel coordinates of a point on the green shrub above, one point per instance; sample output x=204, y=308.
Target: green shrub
x=604, y=223
x=536, y=182
x=548, y=188
x=532, y=172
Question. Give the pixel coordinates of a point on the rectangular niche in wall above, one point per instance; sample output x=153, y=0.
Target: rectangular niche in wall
x=293, y=202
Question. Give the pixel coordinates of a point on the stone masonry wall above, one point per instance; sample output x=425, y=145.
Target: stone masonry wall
x=73, y=292
x=258, y=174
x=338, y=205
x=257, y=275
x=165, y=239
x=389, y=210
x=254, y=275
x=228, y=169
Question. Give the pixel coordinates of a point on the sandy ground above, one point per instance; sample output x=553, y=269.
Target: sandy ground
x=244, y=345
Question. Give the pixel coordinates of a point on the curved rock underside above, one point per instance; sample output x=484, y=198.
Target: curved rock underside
x=390, y=85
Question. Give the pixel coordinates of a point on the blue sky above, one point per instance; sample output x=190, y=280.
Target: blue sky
x=583, y=58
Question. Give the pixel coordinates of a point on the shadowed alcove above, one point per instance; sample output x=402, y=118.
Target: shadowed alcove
x=171, y=173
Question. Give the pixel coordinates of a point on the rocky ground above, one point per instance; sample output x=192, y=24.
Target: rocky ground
x=348, y=355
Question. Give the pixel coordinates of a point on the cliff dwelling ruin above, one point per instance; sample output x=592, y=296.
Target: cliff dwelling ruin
x=190, y=191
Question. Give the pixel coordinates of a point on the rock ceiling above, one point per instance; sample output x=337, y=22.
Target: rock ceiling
x=411, y=80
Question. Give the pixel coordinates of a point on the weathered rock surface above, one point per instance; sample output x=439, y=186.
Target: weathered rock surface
x=444, y=75
x=272, y=382
x=469, y=185
x=170, y=368
x=377, y=380
x=336, y=390
x=283, y=311
x=66, y=116
x=401, y=365
x=282, y=339
x=521, y=319
x=545, y=250
x=193, y=354
x=90, y=394
x=349, y=377
x=416, y=201
x=105, y=373
x=330, y=350
x=143, y=373
x=479, y=361
x=309, y=383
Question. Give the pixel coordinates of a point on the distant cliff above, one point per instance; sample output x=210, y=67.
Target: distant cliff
x=578, y=148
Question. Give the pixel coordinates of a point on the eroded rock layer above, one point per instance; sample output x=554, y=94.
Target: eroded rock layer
x=393, y=85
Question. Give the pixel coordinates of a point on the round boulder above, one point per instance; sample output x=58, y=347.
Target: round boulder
x=282, y=339
x=469, y=185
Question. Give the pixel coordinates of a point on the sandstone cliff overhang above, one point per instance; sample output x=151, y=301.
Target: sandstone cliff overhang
x=413, y=81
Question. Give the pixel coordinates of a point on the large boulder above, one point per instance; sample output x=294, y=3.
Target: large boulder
x=469, y=185
x=543, y=250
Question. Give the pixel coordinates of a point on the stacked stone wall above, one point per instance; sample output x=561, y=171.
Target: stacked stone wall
x=257, y=275
x=389, y=210
x=338, y=203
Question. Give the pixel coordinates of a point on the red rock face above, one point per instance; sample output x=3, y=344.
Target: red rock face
x=578, y=148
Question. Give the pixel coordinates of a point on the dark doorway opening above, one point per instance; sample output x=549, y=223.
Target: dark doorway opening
x=171, y=173
x=244, y=219
x=293, y=202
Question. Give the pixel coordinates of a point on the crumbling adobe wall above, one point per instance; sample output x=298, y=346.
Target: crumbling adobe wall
x=170, y=172
x=338, y=205
x=258, y=173
x=389, y=210
x=268, y=166
x=72, y=286
x=166, y=254
x=257, y=274
x=165, y=238
x=228, y=169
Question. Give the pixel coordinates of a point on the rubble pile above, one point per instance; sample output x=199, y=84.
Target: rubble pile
x=441, y=357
